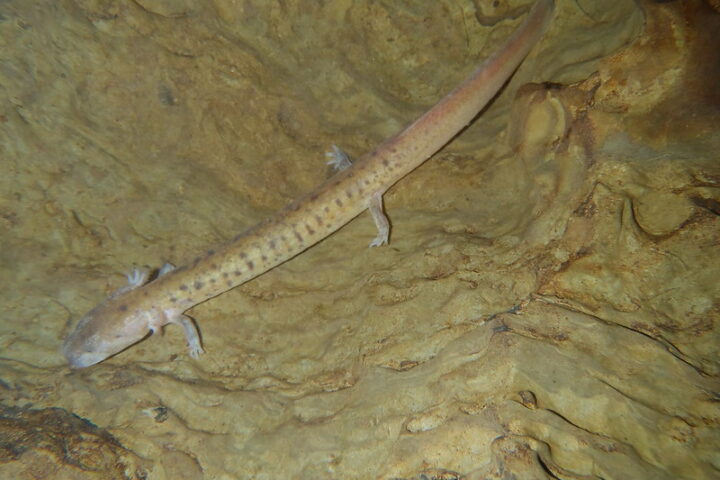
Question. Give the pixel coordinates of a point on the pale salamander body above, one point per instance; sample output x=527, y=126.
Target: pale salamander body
x=140, y=308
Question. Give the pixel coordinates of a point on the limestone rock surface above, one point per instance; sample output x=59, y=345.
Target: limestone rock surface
x=549, y=304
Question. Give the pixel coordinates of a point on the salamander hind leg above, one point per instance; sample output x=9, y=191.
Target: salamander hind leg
x=136, y=278
x=381, y=220
x=192, y=335
x=338, y=158
x=165, y=269
x=340, y=161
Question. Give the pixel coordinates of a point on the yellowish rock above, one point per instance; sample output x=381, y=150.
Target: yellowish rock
x=548, y=306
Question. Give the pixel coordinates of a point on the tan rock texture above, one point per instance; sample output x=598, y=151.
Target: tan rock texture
x=549, y=305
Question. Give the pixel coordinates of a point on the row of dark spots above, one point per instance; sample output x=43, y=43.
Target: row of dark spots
x=255, y=246
x=272, y=243
x=320, y=222
x=197, y=284
x=175, y=299
x=273, y=246
x=390, y=165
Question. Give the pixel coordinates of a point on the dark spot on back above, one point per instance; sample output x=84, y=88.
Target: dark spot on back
x=348, y=193
x=198, y=285
x=250, y=265
x=123, y=308
x=183, y=287
x=238, y=272
x=173, y=299
x=272, y=244
x=338, y=202
x=319, y=220
x=214, y=266
x=264, y=258
x=229, y=283
x=211, y=252
x=309, y=229
x=225, y=274
x=298, y=236
x=243, y=255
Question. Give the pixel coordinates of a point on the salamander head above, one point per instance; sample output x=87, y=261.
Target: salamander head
x=106, y=330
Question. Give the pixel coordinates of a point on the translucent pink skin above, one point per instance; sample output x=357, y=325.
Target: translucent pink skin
x=128, y=317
